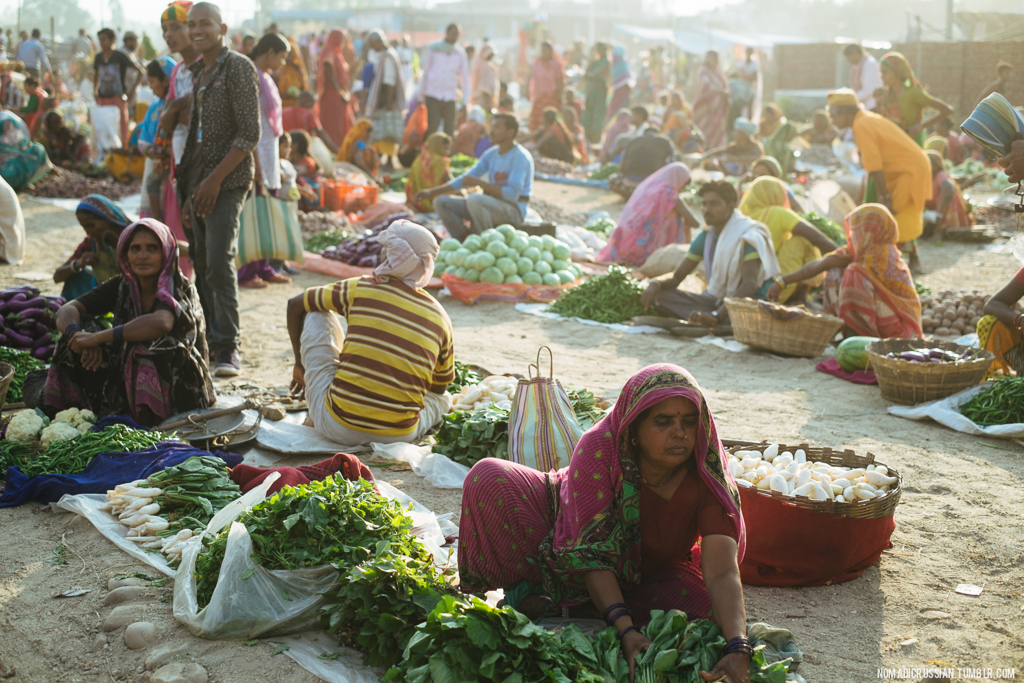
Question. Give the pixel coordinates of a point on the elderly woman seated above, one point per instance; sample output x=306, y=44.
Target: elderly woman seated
x=153, y=361
x=645, y=516
x=736, y=158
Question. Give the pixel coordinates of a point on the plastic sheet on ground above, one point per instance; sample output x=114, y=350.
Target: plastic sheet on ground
x=88, y=505
x=541, y=311
x=439, y=470
x=289, y=438
x=727, y=344
x=305, y=649
x=945, y=412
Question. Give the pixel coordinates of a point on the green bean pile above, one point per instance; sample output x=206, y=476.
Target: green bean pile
x=1000, y=404
x=610, y=298
x=24, y=363
x=74, y=455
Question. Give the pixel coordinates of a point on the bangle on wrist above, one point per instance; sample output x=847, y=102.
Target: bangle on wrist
x=71, y=330
x=739, y=644
x=616, y=615
x=780, y=281
x=611, y=608
x=626, y=630
x=75, y=268
x=118, y=334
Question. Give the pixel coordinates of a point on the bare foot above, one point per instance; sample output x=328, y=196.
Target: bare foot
x=254, y=284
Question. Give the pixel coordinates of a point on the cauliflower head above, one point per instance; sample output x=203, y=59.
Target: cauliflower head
x=25, y=426
x=58, y=431
x=67, y=416
x=84, y=427
x=86, y=417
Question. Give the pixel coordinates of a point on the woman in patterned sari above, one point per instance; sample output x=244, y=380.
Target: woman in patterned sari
x=711, y=102
x=596, y=82
x=999, y=331
x=646, y=516
x=153, y=362
x=904, y=99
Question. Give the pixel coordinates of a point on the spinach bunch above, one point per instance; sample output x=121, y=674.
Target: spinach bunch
x=680, y=650
x=334, y=521
x=377, y=606
x=193, y=492
x=464, y=376
x=468, y=640
x=467, y=437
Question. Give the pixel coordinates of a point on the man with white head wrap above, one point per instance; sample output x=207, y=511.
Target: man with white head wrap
x=374, y=354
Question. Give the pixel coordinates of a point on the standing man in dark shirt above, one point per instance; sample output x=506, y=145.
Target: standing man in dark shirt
x=217, y=172
x=109, y=78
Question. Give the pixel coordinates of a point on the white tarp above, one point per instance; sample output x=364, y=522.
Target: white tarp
x=541, y=311
x=945, y=412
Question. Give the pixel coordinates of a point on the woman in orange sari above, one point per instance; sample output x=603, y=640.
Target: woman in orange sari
x=547, y=84
x=430, y=169
x=677, y=126
x=356, y=149
x=332, y=85
x=292, y=78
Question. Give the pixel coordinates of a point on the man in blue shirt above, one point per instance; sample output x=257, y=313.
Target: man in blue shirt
x=504, y=173
x=33, y=55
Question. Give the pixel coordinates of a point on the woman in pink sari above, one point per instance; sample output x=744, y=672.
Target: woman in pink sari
x=332, y=85
x=547, y=84
x=615, y=534
x=654, y=217
x=711, y=101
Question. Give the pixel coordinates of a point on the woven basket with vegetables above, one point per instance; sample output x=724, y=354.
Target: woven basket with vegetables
x=790, y=331
x=912, y=371
x=839, y=483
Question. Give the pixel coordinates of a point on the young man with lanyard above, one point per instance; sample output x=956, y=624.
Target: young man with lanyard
x=505, y=175
x=216, y=173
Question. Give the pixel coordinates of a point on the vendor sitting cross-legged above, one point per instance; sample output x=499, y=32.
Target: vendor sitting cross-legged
x=373, y=355
x=738, y=256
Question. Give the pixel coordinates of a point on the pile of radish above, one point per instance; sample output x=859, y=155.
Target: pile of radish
x=28, y=320
x=496, y=390
x=951, y=313
x=792, y=475
x=133, y=504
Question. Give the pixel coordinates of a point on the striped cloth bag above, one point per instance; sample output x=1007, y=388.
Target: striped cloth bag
x=269, y=229
x=994, y=124
x=542, y=427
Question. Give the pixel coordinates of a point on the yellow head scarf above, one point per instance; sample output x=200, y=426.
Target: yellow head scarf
x=360, y=131
x=767, y=200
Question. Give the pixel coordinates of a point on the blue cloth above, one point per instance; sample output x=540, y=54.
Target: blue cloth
x=105, y=472
x=78, y=284
x=147, y=129
x=512, y=172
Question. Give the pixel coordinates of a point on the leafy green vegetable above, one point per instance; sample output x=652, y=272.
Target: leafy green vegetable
x=828, y=227
x=74, y=455
x=193, y=492
x=463, y=377
x=24, y=363
x=14, y=453
x=250, y=643
x=461, y=163
x=605, y=172
x=279, y=649
x=467, y=437
x=333, y=521
x=610, y=298
x=319, y=241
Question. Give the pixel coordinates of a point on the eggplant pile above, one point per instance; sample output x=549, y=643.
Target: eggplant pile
x=29, y=320
x=934, y=356
x=361, y=250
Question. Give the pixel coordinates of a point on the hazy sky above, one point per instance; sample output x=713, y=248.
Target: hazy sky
x=145, y=12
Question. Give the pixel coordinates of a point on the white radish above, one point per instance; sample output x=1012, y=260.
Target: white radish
x=771, y=451
x=800, y=455
x=750, y=463
x=848, y=494
x=882, y=470
x=749, y=475
x=840, y=499
x=804, y=490
x=837, y=490
x=879, y=479
x=855, y=474
x=792, y=466
x=762, y=471
x=472, y=396
x=138, y=520
x=157, y=543
x=778, y=484
x=156, y=524
x=788, y=454
x=786, y=474
x=818, y=493
x=744, y=483
x=736, y=469
x=871, y=468
x=763, y=484
x=862, y=492
x=842, y=483
x=802, y=478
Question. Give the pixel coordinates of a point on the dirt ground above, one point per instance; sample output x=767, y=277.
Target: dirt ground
x=959, y=520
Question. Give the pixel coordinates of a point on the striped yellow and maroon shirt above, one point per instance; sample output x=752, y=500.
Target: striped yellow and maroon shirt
x=397, y=348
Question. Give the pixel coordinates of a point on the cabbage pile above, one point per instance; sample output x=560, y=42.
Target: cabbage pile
x=505, y=255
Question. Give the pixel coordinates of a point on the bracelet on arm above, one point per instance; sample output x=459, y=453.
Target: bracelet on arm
x=1018, y=320
x=118, y=334
x=621, y=613
x=738, y=644
x=71, y=330
x=626, y=630
x=780, y=281
x=609, y=609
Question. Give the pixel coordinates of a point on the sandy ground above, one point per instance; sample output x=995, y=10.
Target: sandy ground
x=958, y=521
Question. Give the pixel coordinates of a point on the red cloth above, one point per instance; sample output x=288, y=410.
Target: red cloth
x=669, y=530
x=791, y=546
x=832, y=367
x=300, y=118
x=348, y=466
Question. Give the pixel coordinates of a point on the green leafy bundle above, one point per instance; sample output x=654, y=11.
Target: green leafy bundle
x=24, y=363
x=319, y=241
x=679, y=651
x=334, y=521
x=467, y=640
x=610, y=298
x=14, y=453
x=193, y=492
x=464, y=376
x=74, y=455
x=586, y=407
x=377, y=606
x=467, y=437
x=1000, y=404
x=827, y=226
x=461, y=163
x=605, y=172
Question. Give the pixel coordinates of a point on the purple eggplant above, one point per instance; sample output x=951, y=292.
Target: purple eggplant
x=19, y=306
x=934, y=353
x=18, y=340
x=42, y=341
x=913, y=357
x=10, y=292
x=39, y=314
x=44, y=352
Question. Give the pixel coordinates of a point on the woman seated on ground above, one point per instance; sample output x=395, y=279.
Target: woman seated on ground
x=469, y=134
x=431, y=168
x=647, y=516
x=618, y=125
x=552, y=139
x=95, y=258
x=768, y=166
x=153, y=362
x=307, y=170
x=868, y=284
x=776, y=133
x=679, y=128
x=947, y=200
x=373, y=355
x=821, y=131
x=22, y=161
x=795, y=241
x=576, y=132
x=357, y=150
x=735, y=159
x=1000, y=330
x=63, y=146
x=653, y=217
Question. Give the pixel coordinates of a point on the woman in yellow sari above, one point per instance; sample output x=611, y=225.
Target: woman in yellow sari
x=796, y=242
x=999, y=331
x=356, y=149
x=431, y=168
x=292, y=78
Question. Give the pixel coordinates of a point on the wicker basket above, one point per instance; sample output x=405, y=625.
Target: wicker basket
x=911, y=383
x=6, y=375
x=876, y=508
x=805, y=336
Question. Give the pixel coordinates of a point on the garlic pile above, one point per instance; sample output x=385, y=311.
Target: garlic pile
x=496, y=390
x=135, y=508
x=791, y=475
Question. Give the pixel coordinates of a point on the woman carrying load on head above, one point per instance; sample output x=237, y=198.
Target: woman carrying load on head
x=868, y=284
x=153, y=362
x=646, y=516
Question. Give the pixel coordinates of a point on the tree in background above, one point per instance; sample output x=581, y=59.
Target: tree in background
x=68, y=17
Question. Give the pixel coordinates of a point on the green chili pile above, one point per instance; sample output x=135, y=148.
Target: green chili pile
x=74, y=455
x=1000, y=404
x=24, y=363
x=610, y=298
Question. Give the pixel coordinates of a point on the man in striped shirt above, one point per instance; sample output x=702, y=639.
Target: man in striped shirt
x=374, y=355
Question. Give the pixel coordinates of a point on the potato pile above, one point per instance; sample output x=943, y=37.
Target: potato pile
x=313, y=222
x=951, y=313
